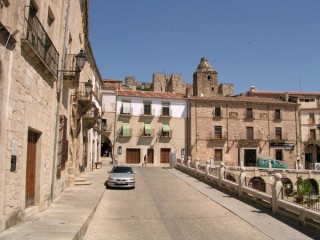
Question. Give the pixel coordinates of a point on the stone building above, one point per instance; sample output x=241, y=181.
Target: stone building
x=48, y=105
x=238, y=129
x=151, y=124
x=235, y=129
x=308, y=121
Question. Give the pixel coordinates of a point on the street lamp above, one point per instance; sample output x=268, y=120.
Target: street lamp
x=81, y=59
x=88, y=87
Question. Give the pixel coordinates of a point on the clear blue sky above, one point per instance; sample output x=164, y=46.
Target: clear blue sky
x=271, y=44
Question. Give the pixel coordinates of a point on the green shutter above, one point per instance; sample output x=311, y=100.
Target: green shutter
x=165, y=127
x=147, y=129
x=126, y=129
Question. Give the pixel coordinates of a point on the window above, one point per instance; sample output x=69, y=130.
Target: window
x=165, y=109
x=277, y=114
x=126, y=109
x=279, y=155
x=312, y=134
x=126, y=131
x=217, y=132
x=165, y=130
x=209, y=77
x=249, y=113
x=278, y=133
x=218, y=154
x=249, y=133
x=217, y=111
x=147, y=129
x=311, y=118
x=147, y=108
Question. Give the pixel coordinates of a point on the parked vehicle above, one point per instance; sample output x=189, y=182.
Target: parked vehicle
x=264, y=163
x=121, y=177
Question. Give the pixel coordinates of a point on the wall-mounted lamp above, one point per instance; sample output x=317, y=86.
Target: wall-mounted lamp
x=183, y=152
x=236, y=137
x=88, y=86
x=81, y=59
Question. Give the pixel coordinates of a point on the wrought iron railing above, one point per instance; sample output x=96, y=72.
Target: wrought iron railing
x=41, y=42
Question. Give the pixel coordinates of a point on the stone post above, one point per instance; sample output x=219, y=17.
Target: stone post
x=242, y=180
x=197, y=164
x=276, y=191
x=207, y=169
x=189, y=162
x=222, y=170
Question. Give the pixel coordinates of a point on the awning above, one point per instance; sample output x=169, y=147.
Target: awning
x=126, y=107
x=165, y=127
x=147, y=128
x=126, y=129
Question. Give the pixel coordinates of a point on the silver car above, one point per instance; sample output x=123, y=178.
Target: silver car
x=122, y=177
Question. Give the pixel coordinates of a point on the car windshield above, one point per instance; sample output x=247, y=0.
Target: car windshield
x=122, y=170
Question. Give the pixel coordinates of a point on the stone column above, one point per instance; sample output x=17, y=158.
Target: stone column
x=242, y=180
x=197, y=164
x=276, y=191
x=189, y=162
x=222, y=170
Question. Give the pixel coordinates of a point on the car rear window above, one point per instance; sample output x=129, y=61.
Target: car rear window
x=122, y=170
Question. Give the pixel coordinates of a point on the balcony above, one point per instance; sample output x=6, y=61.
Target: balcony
x=39, y=47
x=218, y=136
x=249, y=116
x=165, y=134
x=312, y=139
x=106, y=130
x=146, y=134
x=250, y=137
x=83, y=96
x=90, y=119
x=279, y=137
x=124, y=132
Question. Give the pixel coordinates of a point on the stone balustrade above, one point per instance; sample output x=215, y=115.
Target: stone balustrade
x=235, y=179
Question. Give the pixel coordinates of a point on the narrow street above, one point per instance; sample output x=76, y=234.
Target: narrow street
x=164, y=207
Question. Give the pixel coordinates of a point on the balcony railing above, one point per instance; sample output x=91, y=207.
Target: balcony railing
x=143, y=134
x=163, y=134
x=84, y=99
x=218, y=136
x=279, y=137
x=255, y=136
x=41, y=44
x=121, y=134
x=91, y=117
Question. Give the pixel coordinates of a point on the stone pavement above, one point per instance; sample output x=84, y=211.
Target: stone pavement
x=69, y=216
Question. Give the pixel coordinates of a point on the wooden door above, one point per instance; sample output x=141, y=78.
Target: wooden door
x=31, y=168
x=150, y=156
x=133, y=155
x=164, y=155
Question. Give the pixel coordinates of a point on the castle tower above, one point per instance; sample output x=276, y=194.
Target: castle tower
x=205, y=80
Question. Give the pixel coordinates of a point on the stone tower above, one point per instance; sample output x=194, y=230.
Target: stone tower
x=205, y=80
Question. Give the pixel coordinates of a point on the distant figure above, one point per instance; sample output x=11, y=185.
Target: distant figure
x=144, y=161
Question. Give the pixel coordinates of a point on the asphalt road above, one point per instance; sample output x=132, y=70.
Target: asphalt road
x=164, y=207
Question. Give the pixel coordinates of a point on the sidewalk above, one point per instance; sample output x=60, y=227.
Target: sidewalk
x=68, y=217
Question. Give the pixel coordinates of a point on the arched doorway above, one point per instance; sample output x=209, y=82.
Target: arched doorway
x=106, y=147
x=312, y=155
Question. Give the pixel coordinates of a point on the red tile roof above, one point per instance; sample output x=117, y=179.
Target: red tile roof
x=137, y=93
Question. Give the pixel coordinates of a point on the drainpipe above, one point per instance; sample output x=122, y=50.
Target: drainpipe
x=59, y=97
x=114, y=128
